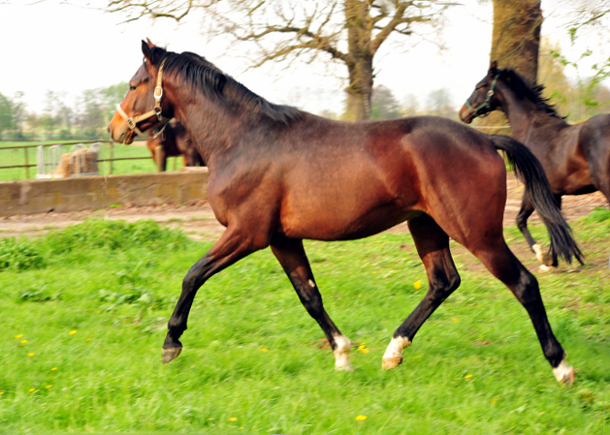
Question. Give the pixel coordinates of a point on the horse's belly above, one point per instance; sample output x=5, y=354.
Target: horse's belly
x=335, y=223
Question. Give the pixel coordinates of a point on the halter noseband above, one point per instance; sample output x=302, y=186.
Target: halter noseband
x=132, y=122
x=484, y=109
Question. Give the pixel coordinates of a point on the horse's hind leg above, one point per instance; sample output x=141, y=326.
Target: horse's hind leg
x=525, y=212
x=291, y=255
x=501, y=262
x=432, y=245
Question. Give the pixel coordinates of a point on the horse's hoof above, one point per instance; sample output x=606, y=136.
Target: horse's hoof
x=564, y=373
x=391, y=362
x=544, y=269
x=170, y=354
x=538, y=251
x=344, y=368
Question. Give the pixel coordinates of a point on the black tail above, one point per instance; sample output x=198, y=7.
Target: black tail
x=529, y=170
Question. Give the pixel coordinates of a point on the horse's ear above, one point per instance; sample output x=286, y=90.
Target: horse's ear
x=493, y=69
x=147, y=52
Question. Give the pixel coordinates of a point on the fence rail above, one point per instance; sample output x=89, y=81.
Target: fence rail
x=26, y=158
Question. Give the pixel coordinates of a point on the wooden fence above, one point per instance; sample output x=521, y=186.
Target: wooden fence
x=27, y=164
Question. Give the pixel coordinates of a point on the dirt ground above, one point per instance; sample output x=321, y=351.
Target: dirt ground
x=198, y=221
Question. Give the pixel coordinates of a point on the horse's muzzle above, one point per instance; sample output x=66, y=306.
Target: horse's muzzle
x=466, y=114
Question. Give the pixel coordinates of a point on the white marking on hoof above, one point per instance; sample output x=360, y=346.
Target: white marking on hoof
x=538, y=251
x=564, y=373
x=544, y=269
x=341, y=351
x=393, y=354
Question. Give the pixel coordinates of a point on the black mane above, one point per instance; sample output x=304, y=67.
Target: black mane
x=200, y=74
x=532, y=93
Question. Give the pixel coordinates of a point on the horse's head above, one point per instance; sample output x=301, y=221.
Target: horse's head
x=485, y=97
x=142, y=108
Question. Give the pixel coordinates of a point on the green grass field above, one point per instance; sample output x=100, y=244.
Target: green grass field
x=85, y=312
x=17, y=157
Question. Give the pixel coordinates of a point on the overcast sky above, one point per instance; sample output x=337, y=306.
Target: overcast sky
x=51, y=45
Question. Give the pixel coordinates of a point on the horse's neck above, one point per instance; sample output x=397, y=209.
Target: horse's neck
x=211, y=128
x=524, y=117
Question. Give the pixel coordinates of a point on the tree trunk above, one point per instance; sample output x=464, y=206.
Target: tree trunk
x=360, y=60
x=359, y=90
x=515, y=44
x=516, y=36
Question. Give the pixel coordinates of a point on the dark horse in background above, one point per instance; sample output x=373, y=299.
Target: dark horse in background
x=575, y=158
x=278, y=175
x=173, y=141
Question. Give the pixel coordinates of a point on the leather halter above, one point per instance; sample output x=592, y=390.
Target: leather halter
x=132, y=121
x=484, y=109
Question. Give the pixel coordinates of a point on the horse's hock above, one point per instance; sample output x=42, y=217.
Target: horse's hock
x=95, y=192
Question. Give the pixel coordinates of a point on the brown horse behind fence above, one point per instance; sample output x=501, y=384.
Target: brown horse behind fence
x=173, y=142
x=278, y=175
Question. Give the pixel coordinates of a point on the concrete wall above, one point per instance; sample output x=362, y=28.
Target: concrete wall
x=88, y=193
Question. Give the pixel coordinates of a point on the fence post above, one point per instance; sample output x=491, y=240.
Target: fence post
x=111, y=157
x=27, y=164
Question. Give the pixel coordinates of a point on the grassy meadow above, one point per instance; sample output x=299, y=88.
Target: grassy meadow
x=9, y=157
x=85, y=312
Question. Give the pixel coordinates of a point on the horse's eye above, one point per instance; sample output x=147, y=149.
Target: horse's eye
x=132, y=88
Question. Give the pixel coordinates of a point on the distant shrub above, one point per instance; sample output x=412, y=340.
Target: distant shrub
x=20, y=254
x=114, y=235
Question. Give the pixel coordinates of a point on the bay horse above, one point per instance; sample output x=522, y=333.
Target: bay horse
x=575, y=158
x=278, y=175
x=173, y=142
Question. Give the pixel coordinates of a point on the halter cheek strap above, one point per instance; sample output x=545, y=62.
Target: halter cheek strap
x=132, y=121
x=484, y=109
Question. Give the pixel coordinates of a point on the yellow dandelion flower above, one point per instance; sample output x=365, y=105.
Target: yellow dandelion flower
x=72, y=332
x=455, y=319
x=362, y=346
x=361, y=418
x=53, y=369
x=48, y=386
x=1, y=393
x=24, y=341
x=31, y=354
x=468, y=376
x=31, y=390
x=364, y=350
x=417, y=285
x=89, y=339
x=233, y=419
x=494, y=400
x=264, y=350
x=19, y=336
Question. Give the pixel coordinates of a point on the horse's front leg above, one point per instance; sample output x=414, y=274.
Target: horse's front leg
x=291, y=255
x=230, y=248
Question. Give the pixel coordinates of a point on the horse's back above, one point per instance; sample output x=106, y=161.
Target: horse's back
x=364, y=179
